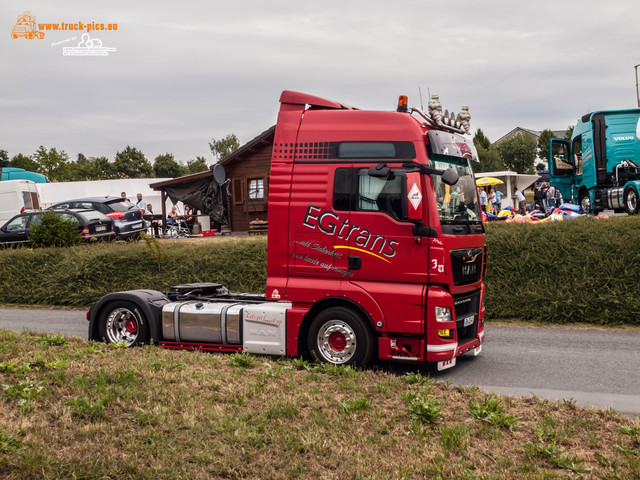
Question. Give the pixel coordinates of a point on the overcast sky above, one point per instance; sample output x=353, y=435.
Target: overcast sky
x=185, y=72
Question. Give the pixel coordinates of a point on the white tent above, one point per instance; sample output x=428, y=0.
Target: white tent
x=511, y=180
x=55, y=192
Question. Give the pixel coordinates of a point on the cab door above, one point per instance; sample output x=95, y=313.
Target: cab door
x=561, y=172
x=383, y=256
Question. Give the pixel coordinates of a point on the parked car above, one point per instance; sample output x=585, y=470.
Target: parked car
x=127, y=219
x=93, y=225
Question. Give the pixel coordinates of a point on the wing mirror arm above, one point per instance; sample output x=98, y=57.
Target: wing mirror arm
x=449, y=176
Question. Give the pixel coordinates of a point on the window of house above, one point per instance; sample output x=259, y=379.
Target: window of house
x=256, y=188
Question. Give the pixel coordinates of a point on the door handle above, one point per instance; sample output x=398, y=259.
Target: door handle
x=355, y=263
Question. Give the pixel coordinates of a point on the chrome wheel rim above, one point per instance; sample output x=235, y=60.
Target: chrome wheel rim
x=632, y=201
x=337, y=342
x=585, y=203
x=122, y=326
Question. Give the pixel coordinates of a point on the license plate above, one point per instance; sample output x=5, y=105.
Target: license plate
x=467, y=322
x=136, y=225
x=100, y=228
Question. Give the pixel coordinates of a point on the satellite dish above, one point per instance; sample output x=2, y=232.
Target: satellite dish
x=219, y=175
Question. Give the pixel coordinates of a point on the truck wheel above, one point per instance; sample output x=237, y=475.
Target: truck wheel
x=585, y=202
x=339, y=336
x=123, y=322
x=631, y=200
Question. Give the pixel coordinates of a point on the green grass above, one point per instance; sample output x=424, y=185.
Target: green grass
x=84, y=410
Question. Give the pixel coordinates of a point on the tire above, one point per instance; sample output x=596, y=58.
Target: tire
x=631, y=200
x=339, y=336
x=123, y=322
x=585, y=202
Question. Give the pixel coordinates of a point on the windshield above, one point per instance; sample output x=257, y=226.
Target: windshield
x=457, y=203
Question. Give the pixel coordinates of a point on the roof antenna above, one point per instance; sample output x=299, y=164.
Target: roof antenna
x=420, y=92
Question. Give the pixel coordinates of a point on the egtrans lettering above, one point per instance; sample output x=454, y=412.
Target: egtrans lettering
x=329, y=223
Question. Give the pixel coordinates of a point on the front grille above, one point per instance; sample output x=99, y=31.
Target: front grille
x=467, y=265
x=466, y=306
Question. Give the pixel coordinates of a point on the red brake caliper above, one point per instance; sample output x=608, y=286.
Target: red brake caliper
x=337, y=341
x=131, y=326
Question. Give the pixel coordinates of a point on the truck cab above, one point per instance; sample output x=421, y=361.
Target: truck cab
x=600, y=167
x=365, y=233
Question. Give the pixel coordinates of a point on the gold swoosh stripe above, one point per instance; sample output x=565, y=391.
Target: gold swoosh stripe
x=361, y=250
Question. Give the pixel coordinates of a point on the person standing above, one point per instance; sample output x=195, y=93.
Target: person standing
x=483, y=199
x=492, y=200
x=551, y=197
x=141, y=204
x=498, y=203
x=520, y=200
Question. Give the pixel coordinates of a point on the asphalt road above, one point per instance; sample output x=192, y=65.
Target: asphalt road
x=596, y=368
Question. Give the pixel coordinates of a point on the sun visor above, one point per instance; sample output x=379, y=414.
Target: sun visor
x=452, y=145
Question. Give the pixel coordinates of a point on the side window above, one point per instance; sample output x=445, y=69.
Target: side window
x=18, y=223
x=27, y=200
x=35, y=220
x=62, y=206
x=355, y=189
x=561, y=161
x=577, y=154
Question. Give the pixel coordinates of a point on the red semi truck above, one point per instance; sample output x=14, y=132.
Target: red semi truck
x=375, y=249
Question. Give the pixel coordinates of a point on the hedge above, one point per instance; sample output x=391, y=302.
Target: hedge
x=580, y=271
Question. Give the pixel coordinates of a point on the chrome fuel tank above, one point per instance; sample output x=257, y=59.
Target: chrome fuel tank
x=196, y=321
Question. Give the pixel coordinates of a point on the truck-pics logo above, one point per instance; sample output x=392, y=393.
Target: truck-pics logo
x=329, y=223
x=26, y=27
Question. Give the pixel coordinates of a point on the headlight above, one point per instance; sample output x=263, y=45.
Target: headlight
x=443, y=314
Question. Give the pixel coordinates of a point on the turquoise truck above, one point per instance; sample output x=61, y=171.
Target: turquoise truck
x=600, y=167
x=12, y=173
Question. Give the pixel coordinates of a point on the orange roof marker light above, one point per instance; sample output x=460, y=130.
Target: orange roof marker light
x=402, y=104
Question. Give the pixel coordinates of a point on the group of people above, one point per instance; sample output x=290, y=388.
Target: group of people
x=173, y=219
x=492, y=201
x=549, y=196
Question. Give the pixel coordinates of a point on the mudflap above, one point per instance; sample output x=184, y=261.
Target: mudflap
x=445, y=364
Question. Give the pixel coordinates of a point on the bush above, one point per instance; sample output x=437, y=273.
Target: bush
x=583, y=270
x=54, y=230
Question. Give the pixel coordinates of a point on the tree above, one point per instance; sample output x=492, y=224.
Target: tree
x=22, y=161
x=569, y=132
x=4, y=158
x=490, y=160
x=518, y=152
x=480, y=140
x=224, y=147
x=196, y=166
x=165, y=166
x=543, y=143
x=104, y=169
x=52, y=163
x=131, y=163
